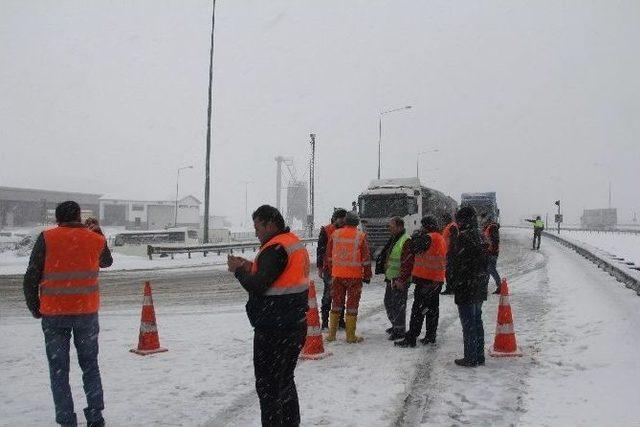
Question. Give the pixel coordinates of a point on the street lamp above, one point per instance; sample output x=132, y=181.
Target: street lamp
x=418, y=160
x=408, y=107
x=175, y=220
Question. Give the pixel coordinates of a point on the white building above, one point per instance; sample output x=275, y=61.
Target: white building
x=147, y=214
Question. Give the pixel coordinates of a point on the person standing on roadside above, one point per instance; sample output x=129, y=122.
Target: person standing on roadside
x=61, y=287
x=337, y=221
x=450, y=233
x=538, y=227
x=396, y=262
x=469, y=280
x=349, y=259
x=491, y=233
x=429, y=265
x=277, y=282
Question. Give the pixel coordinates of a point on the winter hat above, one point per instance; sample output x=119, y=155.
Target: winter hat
x=429, y=223
x=352, y=218
x=466, y=216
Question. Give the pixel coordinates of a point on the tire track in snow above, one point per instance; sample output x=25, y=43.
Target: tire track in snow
x=414, y=409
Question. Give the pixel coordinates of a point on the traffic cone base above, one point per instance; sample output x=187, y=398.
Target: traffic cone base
x=494, y=353
x=146, y=352
x=504, y=344
x=313, y=347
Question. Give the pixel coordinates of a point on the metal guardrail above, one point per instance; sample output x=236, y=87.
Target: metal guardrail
x=614, y=270
x=217, y=248
x=566, y=229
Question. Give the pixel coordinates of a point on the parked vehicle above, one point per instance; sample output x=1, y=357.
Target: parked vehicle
x=483, y=203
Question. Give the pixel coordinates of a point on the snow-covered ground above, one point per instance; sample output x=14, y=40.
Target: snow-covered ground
x=623, y=245
x=577, y=327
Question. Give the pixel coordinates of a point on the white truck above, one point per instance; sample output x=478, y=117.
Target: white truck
x=403, y=197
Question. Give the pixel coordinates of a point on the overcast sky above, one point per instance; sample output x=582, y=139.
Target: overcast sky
x=537, y=101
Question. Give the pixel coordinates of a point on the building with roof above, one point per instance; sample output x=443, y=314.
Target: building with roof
x=23, y=207
x=145, y=214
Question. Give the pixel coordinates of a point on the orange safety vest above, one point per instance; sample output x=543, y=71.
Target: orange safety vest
x=487, y=237
x=446, y=233
x=346, y=259
x=69, y=283
x=329, y=229
x=432, y=263
x=295, y=277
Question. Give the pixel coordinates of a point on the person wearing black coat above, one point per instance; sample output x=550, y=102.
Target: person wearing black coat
x=469, y=281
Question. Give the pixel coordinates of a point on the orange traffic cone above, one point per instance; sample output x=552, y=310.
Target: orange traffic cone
x=148, y=342
x=504, y=344
x=313, y=346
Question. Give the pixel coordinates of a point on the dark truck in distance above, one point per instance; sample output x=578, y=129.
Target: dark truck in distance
x=483, y=203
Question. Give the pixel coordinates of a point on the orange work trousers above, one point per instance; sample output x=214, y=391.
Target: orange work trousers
x=342, y=288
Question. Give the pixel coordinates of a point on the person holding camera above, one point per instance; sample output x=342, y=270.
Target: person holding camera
x=61, y=288
x=277, y=282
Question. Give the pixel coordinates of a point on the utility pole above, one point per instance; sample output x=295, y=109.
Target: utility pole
x=246, y=198
x=279, y=161
x=312, y=183
x=205, y=232
x=609, y=194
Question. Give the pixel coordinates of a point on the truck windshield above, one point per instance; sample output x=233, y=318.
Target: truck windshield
x=384, y=206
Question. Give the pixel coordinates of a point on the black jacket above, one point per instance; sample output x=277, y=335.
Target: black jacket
x=282, y=312
x=467, y=269
x=33, y=276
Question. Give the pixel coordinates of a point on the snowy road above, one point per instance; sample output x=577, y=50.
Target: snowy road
x=578, y=327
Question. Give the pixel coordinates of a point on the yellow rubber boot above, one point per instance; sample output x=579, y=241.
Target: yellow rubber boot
x=350, y=321
x=333, y=326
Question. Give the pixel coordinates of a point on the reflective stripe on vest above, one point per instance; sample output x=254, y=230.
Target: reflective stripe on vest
x=70, y=275
x=295, y=277
x=394, y=259
x=432, y=263
x=346, y=259
x=69, y=283
x=79, y=290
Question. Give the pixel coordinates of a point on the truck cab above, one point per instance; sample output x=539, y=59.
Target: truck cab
x=406, y=198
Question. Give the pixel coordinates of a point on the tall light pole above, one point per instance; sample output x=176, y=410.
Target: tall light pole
x=312, y=166
x=418, y=160
x=175, y=220
x=205, y=233
x=246, y=192
x=408, y=107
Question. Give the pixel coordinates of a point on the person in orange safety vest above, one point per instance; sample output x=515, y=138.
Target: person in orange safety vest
x=349, y=260
x=450, y=234
x=337, y=221
x=428, y=273
x=277, y=282
x=61, y=287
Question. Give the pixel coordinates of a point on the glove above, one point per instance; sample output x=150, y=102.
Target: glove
x=36, y=314
x=367, y=281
